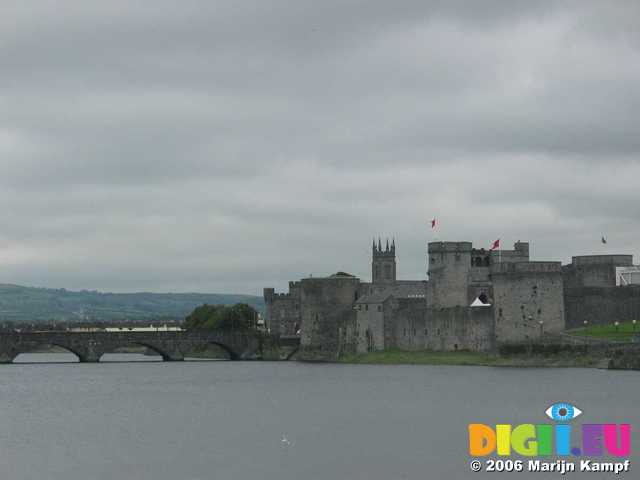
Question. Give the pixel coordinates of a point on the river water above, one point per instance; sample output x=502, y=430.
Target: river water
x=277, y=421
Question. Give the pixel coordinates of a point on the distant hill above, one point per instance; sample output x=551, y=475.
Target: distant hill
x=28, y=304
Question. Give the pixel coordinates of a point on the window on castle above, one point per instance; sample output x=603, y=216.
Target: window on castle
x=387, y=272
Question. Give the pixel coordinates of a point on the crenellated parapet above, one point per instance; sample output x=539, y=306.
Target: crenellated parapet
x=282, y=310
x=526, y=267
x=617, y=260
x=449, y=247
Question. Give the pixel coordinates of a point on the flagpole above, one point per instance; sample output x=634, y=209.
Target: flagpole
x=497, y=246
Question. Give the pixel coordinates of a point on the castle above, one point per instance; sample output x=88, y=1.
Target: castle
x=474, y=299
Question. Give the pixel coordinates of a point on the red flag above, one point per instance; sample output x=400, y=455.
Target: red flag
x=433, y=223
x=496, y=244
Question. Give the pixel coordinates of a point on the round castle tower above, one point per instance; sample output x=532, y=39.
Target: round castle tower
x=449, y=267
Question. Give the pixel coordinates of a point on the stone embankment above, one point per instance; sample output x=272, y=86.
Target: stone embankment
x=611, y=354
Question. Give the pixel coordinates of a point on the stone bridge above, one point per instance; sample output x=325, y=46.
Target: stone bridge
x=90, y=346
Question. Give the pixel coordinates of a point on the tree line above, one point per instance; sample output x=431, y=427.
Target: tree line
x=239, y=317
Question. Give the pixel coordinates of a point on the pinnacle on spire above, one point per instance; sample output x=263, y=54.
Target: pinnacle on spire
x=373, y=247
x=379, y=245
x=393, y=245
x=387, y=249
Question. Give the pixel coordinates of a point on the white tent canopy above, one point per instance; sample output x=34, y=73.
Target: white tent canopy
x=478, y=303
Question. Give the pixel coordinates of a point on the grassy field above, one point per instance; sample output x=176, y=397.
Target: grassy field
x=397, y=357
x=421, y=357
x=624, y=332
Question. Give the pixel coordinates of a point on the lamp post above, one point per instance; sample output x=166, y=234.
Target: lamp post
x=541, y=323
x=585, y=326
x=617, y=324
x=634, y=325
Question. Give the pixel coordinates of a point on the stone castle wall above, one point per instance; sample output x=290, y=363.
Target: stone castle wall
x=594, y=270
x=449, y=265
x=327, y=311
x=418, y=327
x=591, y=293
x=526, y=294
x=283, y=310
x=400, y=288
x=602, y=305
x=368, y=332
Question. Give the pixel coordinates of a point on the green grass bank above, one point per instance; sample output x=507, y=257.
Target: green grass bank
x=624, y=332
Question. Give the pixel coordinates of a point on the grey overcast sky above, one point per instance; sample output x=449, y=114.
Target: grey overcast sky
x=225, y=146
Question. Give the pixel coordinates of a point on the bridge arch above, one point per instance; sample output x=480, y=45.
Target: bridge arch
x=292, y=353
x=232, y=355
x=38, y=347
x=159, y=350
x=163, y=352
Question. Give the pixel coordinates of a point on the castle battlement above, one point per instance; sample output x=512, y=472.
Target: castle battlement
x=617, y=260
x=449, y=247
x=388, y=251
x=281, y=295
x=526, y=267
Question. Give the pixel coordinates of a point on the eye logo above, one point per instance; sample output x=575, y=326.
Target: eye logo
x=563, y=412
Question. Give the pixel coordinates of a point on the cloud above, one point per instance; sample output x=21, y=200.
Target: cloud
x=225, y=146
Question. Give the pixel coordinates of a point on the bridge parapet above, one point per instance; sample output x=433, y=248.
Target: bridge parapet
x=90, y=346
